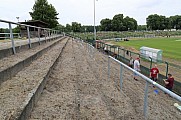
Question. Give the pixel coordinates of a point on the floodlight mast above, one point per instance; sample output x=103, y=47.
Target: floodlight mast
x=94, y=20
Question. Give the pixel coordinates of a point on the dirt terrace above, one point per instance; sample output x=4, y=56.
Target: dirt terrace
x=14, y=59
x=78, y=88
x=15, y=92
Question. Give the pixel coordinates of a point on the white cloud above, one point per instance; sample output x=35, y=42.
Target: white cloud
x=82, y=10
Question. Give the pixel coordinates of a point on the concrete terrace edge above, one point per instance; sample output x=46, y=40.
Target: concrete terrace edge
x=9, y=51
x=13, y=70
x=36, y=92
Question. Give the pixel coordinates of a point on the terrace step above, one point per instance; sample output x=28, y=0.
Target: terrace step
x=11, y=65
x=21, y=91
x=22, y=45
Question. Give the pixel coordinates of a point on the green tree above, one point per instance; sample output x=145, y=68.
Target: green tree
x=158, y=22
x=45, y=12
x=130, y=23
x=168, y=23
x=141, y=27
x=16, y=29
x=76, y=27
x=106, y=24
x=118, y=23
x=153, y=22
x=60, y=27
x=89, y=28
x=68, y=28
x=175, y=21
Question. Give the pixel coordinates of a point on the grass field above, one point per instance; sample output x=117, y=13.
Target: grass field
x=171, y=46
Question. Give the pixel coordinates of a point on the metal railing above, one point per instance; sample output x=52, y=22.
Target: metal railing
x=49, y=35
x=117, y=76
x=7, y=35
x=147, y=80
x=164, y=67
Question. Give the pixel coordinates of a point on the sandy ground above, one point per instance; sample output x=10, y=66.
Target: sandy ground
x=14, y=59
x=78, y=88
x=8, y=44
x=15, y=92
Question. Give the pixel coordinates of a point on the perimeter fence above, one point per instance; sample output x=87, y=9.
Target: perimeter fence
x=151, y=102
x=164, y=67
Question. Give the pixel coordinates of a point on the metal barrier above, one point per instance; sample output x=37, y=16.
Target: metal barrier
x=147, y=80
x=147, y=99
x=7, y=35
x=163, y=66
x=50, y=33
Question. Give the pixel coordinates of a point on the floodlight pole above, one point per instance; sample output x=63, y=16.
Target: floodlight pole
x=94, y=21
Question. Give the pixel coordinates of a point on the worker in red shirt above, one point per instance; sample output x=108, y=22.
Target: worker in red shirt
x=154, y=73
x=169, y=82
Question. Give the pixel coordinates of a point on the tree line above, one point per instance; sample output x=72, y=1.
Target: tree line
x=121, y=23
x=118, y=23
x=159, y=22
x=47, y=13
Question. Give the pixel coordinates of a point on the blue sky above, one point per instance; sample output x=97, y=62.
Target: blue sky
x=82, y=10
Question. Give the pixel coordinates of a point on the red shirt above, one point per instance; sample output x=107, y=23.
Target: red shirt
x=170, y=84
x=154, y=72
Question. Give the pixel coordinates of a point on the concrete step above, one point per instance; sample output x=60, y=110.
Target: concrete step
x=20, y=93
x=11, y=65
x=22, y=45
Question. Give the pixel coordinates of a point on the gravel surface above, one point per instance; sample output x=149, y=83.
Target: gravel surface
x=15, y=92
x=78, y=88
x=14, y=59
x=7, y=43
x=74, y=91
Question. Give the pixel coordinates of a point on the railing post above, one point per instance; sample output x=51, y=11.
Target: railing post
x=87, y=46
x=166, y=70
x=11, y=37
x=146, y=100
x=118, y=53
x=124, y=53
x=121, y=77
x=110, y=49
x=45, y=31
x=39, y=35
x=28, y=31
x=108, y=68
x=150, y=63
x=49, y=35
x=53, y=33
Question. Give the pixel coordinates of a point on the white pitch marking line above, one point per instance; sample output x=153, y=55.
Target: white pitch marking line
x=177, y=40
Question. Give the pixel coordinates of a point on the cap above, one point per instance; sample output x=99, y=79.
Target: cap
x=169, y=74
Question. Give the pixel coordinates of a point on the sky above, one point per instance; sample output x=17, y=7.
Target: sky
x=82, y=11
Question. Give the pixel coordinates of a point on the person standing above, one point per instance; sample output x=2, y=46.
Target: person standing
x=136, y=67
x=169, y=82
x=154, y=73
x=131, y=61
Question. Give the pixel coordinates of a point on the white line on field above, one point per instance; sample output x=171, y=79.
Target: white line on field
x=177, y=40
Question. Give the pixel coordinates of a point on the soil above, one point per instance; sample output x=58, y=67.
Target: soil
x=16, y=91
x=14, y=59
x=79, y=88
x=7, y=43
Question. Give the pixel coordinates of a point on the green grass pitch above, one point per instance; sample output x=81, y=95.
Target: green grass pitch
x=171, y=46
